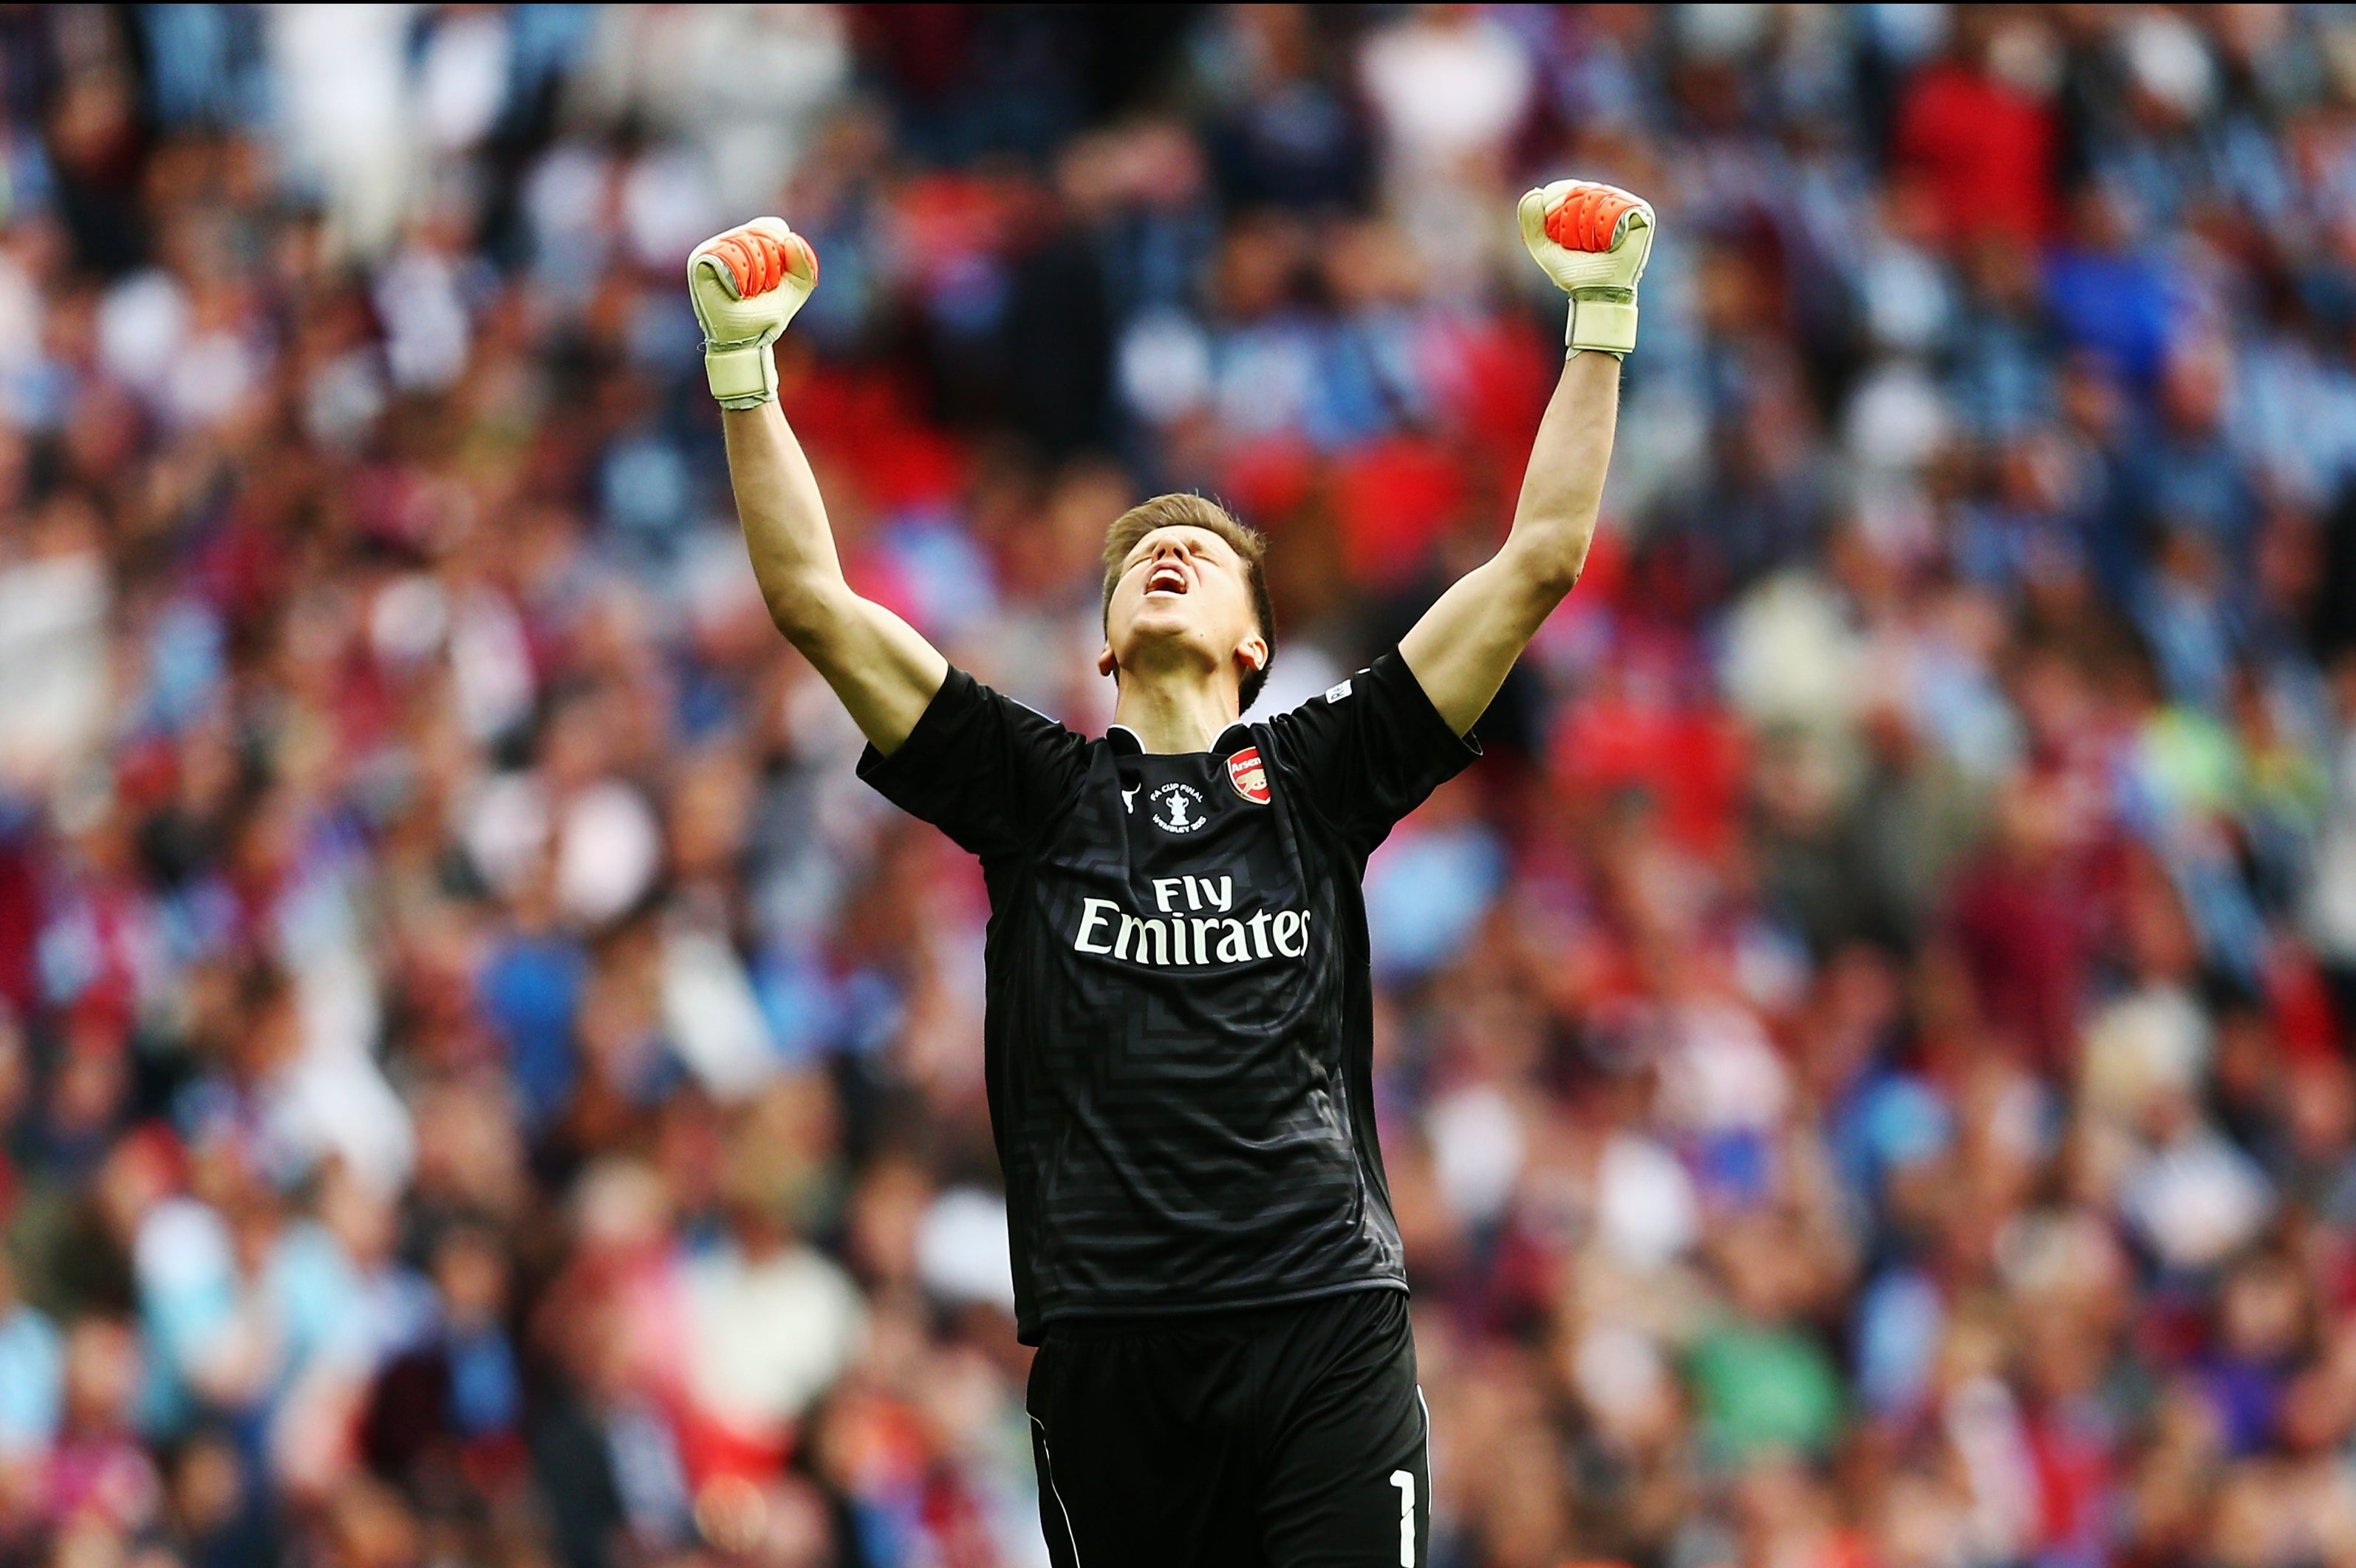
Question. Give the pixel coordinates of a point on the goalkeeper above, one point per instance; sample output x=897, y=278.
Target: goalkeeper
x=1178, y=1037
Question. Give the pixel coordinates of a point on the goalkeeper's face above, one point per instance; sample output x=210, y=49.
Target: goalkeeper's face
x=1183, y=601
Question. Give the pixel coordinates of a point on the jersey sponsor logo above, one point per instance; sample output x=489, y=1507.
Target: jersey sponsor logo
x=1337, y=691
x=1250, y=779
x=1177, y=808
x=1195, y=922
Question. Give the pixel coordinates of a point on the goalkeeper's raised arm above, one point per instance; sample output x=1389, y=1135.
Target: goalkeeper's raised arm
x=746, y=284
x=1592, y=241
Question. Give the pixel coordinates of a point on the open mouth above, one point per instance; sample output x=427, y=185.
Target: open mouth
x=1167, y=578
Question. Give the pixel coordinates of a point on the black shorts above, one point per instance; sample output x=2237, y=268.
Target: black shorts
x=1276, y=1437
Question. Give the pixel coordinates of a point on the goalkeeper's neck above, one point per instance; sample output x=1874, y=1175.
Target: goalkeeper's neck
x=1177, y=707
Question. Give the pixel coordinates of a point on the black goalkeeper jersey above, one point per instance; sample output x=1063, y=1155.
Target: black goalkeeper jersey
x=1178, y=1033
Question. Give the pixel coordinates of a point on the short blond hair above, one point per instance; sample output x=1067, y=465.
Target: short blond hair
x=1184, y=510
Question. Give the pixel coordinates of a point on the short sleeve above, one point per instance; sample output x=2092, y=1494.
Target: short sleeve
x=1370, y=750
x=982, y=768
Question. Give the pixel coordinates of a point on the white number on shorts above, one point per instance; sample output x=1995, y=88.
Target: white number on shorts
x=1404, y=1482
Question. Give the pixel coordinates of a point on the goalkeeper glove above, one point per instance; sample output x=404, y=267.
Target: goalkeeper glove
x=745, y=285
x=1592, y=241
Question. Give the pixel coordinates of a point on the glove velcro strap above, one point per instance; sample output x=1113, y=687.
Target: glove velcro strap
x=1603, y=319
x=743, y=374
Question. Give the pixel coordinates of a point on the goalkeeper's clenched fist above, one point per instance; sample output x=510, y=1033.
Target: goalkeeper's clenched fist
x=746, y=284
x=1593, y=240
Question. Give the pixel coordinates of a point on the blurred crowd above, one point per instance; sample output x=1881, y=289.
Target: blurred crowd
x=1865, y=1062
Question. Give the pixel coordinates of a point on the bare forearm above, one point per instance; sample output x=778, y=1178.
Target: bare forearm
x=1562, y=488
x=786, y=529
x=1463, y=648
x=881, y=667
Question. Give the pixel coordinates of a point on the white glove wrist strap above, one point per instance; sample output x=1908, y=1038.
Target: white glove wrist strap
x=743, y=374
x=1603, y=319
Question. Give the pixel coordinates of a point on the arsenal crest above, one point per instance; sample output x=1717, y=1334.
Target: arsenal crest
x=1250, y=779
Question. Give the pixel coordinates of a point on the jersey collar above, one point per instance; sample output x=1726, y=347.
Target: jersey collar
x=1125, y=743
